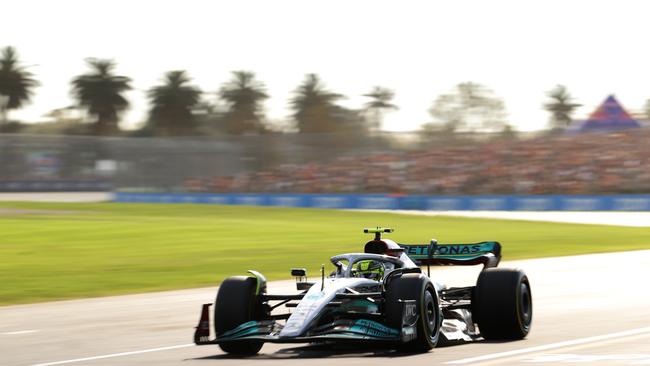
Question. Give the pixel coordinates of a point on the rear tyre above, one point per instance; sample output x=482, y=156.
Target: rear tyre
x=237, y=303
x=503, y=304
x=414, y=286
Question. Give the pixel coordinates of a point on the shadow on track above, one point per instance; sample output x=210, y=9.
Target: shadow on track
x=331, y=351
x=317, y=351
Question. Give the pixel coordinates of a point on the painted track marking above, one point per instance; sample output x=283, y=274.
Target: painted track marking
x=602, y=343
x=18, y=332
x=633, y=358
x=488, y=357
x=550, y=346
x=115, y=355
x=21, y=332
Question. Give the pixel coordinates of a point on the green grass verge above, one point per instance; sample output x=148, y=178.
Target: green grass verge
x=60, y=251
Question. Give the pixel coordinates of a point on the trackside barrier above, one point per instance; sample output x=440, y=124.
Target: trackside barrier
x=54, y=186
x=404, y=202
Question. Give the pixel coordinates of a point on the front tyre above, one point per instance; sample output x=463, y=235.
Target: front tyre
x=503, y=304
x=414, y=286
x=237, y=303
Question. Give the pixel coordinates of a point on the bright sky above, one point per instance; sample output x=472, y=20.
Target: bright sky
x=421, y=49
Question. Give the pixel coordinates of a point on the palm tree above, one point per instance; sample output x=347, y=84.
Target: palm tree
x=101, y=92
x=469, y=107
x=313, y=106
x=16, y=84
x=244, y=96
x=560, y=106
x=172, y=104
x=380, y=101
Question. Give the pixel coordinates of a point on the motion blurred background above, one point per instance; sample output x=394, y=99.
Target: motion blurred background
x=426, y=99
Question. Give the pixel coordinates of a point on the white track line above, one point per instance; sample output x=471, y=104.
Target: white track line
x=493, y=356
x=21, y=332
x=546, y=347
x=115, y=355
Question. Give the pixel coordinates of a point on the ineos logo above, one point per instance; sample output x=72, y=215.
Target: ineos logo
x=409, y=309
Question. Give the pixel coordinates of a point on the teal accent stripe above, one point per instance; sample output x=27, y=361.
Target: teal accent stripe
x=450, y=251
x=245, y=329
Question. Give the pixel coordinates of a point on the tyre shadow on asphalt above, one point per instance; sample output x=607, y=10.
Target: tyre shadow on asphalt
x=332, y=351
x=316, y=351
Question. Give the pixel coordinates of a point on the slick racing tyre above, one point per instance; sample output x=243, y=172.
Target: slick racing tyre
x=503, y=305
x=414, y=286
x=237, y=303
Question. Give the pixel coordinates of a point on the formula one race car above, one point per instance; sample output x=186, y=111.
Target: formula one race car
x=380, y=295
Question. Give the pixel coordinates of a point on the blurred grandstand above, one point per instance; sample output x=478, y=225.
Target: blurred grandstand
x=589, y=163
x=562, y=164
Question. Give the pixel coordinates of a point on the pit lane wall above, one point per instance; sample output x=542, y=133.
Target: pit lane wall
x=404, y=202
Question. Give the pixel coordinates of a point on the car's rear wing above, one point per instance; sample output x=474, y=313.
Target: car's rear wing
x=487, y=253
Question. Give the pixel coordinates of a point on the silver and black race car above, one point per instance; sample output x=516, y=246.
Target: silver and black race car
x=380, y=295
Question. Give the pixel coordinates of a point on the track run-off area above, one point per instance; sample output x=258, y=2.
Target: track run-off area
x=588, y=308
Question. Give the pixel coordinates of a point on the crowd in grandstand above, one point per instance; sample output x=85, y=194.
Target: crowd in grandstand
x=562, y=164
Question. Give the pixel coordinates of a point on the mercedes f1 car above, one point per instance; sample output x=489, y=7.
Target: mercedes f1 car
x=380, y=295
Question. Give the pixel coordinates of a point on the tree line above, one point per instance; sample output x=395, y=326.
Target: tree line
x=177, y=107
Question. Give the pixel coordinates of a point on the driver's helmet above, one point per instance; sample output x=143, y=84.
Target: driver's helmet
x=369, y=268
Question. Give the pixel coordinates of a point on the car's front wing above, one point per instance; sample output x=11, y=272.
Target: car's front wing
x=340, y=330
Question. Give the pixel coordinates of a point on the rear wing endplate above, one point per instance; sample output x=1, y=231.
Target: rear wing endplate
x=487, y=253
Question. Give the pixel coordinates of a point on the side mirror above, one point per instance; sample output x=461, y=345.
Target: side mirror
x=301, y=279
x=298, y=272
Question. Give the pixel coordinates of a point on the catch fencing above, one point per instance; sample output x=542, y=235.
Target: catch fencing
x=68, y=163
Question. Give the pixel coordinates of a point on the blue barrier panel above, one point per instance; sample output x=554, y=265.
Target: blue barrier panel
x=582, y=203
x=376, y=202
x=490, y=203
x=330, y=201
x=411, y=203
x=288, y=200
x=450, y=203
x=535, y=203
x=640, y=202
x=630, y=203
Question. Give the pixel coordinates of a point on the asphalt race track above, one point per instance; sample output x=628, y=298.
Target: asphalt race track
x=592, y=309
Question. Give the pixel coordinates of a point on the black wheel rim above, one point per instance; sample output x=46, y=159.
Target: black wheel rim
x=525, y=305
x=430, y=314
